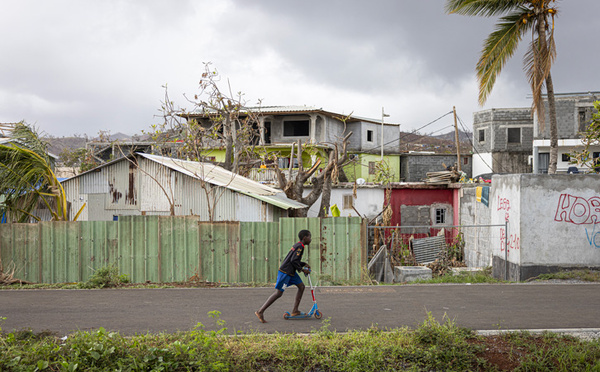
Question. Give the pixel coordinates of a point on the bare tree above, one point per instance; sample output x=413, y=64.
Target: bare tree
x=321, y=183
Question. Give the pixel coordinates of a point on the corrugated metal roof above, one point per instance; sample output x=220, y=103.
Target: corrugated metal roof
x=299, y=109
x=216, y=175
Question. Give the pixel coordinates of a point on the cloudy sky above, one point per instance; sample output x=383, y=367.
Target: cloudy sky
x=81, y=66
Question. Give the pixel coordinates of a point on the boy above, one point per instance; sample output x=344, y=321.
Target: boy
x=288, y=275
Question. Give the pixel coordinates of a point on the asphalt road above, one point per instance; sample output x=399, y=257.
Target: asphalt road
x=131, y=311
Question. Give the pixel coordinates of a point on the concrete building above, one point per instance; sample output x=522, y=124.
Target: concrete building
x=144, y=184
x=414, y=166
x=573, y=114
x=502, y=141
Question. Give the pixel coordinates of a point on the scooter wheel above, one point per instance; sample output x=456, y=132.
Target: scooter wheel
x=286, y=315
x=318, y=314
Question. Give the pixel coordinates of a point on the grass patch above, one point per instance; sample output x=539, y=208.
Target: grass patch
x=484, y=276
x=584, y=275
x=431, y=346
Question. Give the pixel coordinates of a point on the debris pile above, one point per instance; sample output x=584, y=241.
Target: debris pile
x=443, y=177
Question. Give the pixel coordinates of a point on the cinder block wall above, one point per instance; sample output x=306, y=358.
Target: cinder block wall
x=414, y=167
x=478, y=250
x=554, y=223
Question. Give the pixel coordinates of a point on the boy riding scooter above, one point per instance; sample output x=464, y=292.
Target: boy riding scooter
x=288, y=275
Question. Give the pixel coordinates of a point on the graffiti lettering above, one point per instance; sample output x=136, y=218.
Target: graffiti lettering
x=503, y=204
x=578, y=210
x=593, y=237
x=514, y=242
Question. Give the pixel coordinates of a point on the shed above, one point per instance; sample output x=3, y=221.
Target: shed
x=143, y=184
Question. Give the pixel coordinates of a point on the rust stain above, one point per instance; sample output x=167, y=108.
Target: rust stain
x=130, y=197
x=116, y=195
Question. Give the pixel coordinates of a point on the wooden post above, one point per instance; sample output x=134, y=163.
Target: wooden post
x=457, y=139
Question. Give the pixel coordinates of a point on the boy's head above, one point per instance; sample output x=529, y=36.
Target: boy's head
x=304, y=236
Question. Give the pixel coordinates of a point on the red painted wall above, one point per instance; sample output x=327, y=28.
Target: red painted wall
x=422, y=197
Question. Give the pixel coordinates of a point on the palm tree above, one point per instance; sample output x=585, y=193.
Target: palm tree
x=519, y=17
x=27, y=179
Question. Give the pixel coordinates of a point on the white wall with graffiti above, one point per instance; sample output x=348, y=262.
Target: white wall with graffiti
x=554, y=222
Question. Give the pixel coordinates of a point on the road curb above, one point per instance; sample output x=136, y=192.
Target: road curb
x=587, y=334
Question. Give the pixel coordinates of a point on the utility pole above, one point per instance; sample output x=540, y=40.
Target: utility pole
x=457, y=139
x=383, y=115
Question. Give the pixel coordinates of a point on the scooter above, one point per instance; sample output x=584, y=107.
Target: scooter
x=314, y=310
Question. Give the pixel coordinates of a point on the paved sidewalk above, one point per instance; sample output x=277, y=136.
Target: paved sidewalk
x=478, y=306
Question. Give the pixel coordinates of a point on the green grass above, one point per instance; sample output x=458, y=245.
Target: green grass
x=431, y=346
x=479, y=277
x=585, y=275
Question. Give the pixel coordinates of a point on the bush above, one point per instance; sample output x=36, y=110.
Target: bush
x=105, y=277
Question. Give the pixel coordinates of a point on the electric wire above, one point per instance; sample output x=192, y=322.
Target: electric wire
x=408, y=134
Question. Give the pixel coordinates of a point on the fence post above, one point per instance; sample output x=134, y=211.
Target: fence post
x=506, y=249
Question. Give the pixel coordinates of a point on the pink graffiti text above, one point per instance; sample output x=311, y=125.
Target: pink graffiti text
x=578, y=210
x=514, y=241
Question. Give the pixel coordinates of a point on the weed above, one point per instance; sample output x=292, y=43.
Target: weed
x=105, y=277
x=584, y=275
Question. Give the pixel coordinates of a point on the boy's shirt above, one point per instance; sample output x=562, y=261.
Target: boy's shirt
x=293, y=261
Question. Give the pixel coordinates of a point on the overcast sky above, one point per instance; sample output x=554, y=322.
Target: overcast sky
x=78, y=67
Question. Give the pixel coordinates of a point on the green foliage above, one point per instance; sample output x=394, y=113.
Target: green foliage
x=105, y=277
x=591, y=137
x=432, y=346
x=585, y=275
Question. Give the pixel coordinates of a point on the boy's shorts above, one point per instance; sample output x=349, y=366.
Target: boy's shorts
x=284, y=280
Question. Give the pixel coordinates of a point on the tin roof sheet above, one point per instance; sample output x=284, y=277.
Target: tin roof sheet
x=219, y=176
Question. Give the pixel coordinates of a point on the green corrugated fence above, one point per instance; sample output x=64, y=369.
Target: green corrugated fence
x=167, y=249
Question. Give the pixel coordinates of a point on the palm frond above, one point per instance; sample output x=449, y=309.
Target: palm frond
x=483, y=8
x=27, y=179
x=498, y=48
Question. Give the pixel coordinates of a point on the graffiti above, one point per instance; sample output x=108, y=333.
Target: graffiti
x=594, y=237
x=504, y=205
x=513, y=243
x=578, y=210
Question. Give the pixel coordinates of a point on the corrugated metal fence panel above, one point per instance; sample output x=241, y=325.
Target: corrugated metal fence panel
x=288, y=236
x=259, y=249
x=138, y=247
x=20, y=246
x=99, y=246
x=342, y=247
x=61, y=259
x=166, y=248
x=219, y=245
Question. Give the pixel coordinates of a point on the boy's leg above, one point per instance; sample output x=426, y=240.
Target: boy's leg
x=300, y=286
x=268, y=303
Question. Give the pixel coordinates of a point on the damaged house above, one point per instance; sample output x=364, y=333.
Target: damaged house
x=143, y=184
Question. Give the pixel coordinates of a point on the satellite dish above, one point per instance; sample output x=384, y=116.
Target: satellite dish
x=360, y=181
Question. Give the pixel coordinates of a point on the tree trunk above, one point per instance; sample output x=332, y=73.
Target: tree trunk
x=553, y=126
x=325, y=196
x=228, y=143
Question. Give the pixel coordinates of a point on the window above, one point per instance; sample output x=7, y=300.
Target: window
x=348, y=201
x=566, y=157
x=369, y=136
x=466, y=161
x=296, y=128
x=514, y=135
x=371, y=167
x=481, y=135
x=440, y=216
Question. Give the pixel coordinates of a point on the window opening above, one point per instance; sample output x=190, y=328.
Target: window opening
x=514, y=135
x=296, y=128
x=369, y=136
x=481, y=135
x=440, y=216
x=348, y=201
